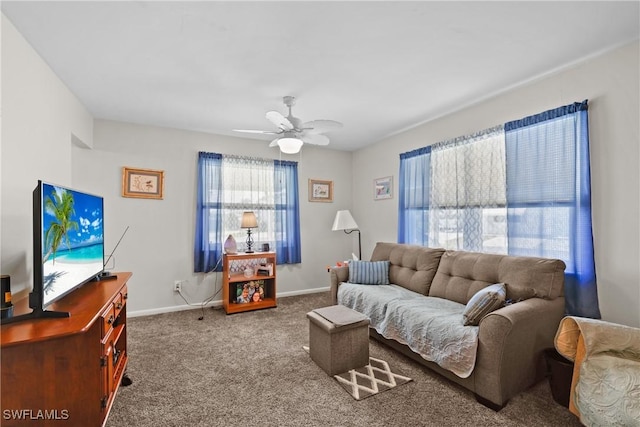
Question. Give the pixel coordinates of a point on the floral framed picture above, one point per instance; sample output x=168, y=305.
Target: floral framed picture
x=383, y=188
x=142, y=183
x=320, y=191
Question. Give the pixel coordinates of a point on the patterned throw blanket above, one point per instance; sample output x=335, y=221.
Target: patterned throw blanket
x=606, y=382
x=432, y=327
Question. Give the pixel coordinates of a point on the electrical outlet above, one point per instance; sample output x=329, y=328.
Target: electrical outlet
x=177, y=286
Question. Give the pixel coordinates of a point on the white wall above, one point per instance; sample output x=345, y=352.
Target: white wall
x=41, y=119
x=158, y=247
x=611, y=83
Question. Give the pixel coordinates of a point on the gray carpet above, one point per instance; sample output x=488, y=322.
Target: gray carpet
x=249, y=369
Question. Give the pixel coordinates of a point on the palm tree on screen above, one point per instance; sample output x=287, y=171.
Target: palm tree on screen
x=59, y=205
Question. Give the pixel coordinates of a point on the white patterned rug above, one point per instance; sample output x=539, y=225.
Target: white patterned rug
x=369, y=380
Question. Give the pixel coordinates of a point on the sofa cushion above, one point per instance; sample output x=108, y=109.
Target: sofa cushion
x=517, y=293
x=484, y=302
x=461, y=274
x=412, y=267
x=369, y=272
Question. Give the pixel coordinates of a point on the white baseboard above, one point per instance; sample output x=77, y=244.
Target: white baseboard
x=217, y=303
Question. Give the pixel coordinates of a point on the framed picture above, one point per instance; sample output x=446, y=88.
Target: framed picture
x=320, y=191
x=142, y=183
x=383, y=188
x=248, y=292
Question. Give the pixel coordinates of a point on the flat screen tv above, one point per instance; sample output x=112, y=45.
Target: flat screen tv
x=68, y=245
x=70, y=231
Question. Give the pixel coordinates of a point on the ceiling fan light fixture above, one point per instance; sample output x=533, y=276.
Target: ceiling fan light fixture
x=292, y=133
x=290, y=145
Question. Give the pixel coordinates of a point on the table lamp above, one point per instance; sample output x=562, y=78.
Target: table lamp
x=249, y=221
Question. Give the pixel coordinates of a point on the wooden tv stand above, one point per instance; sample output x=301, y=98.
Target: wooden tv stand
x=66, y=371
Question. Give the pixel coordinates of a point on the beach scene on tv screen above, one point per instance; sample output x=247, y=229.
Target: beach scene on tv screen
x=72, y=239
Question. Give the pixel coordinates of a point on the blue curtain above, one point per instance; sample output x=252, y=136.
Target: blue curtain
x=549, y=198
x=288, y=248
x=413, y=198
x=208, y=236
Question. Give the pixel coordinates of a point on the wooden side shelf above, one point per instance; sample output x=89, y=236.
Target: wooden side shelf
x=235, y=280
x=66, y=371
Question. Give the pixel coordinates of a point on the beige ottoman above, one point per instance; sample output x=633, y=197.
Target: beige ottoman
x=338, y=338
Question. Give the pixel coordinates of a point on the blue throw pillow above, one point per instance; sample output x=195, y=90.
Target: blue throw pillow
x=369, y=272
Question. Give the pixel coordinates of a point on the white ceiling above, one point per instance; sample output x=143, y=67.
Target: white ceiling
x=379, y=67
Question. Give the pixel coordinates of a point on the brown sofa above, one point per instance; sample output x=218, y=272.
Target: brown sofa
x=511, y=339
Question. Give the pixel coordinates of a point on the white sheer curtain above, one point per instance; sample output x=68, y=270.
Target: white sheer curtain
x=248, y=184
x=467, y=204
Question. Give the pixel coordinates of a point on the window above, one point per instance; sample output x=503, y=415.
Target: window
x=453, y=195
x=519, y=189
x=248, y=185
x=230, y=185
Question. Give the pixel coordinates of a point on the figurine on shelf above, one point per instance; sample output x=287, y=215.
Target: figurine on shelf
x=230, y=245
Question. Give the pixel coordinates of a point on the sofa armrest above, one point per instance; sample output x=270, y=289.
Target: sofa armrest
x=510, y=345
x=337, y=276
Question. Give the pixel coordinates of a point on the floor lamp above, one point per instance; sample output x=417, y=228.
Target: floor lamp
x=345, y=222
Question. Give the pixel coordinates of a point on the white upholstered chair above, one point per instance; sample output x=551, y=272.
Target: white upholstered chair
x=605, y=388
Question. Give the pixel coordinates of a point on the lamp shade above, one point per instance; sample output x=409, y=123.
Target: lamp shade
x=249, y=220
x=289, y=145
x=344, y=221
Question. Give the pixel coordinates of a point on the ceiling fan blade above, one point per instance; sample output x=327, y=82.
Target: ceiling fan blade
x=320, y=126
x=315, y=139
x=274, y=143
x=265, y=132
x=279, y=120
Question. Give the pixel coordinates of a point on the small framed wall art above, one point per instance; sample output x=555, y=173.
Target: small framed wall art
x=383, y=188
x=320, y=191
x=142, y=183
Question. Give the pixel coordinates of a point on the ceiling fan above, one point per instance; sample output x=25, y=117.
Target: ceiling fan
x=292, y=132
